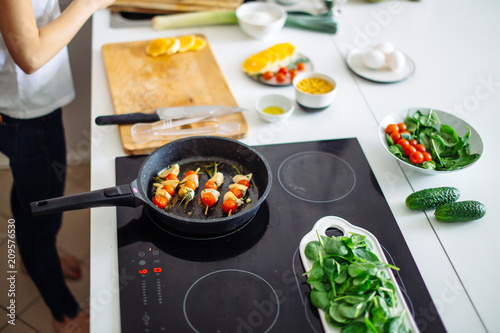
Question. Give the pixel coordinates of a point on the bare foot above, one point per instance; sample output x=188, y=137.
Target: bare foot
x=70, y=267
x=79, y=324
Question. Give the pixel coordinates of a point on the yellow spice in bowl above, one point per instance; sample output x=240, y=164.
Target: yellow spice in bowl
x=315, y=86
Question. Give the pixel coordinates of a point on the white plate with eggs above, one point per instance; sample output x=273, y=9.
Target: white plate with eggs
x=381, y=63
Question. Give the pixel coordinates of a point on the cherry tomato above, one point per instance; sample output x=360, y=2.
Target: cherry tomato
x=236, y=192
x=208, y=199
x=229, y=206
x=301, y=66
x=190, y=172
x=293, y=74
x=267, y=75
x=280, y=77
x=403, y=143
x=283, y=70
x=420, y=148
x=391, y=128
x=211, y=185
x=171, y=176
x=170, y=189
x=401, y=127
x=244, y=182
x=413, y=142
x=427, y=156
x=160, y=202
x=416, y=157
x=409, y=150
x=190, y=184
x=395, y=136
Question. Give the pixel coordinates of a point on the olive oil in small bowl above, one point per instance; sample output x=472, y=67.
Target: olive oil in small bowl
x=274, y=107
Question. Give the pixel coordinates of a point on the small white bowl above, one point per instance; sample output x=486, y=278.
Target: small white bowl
x=274, y=100
x=314, y=102
x=260, y=20
x=460, y=126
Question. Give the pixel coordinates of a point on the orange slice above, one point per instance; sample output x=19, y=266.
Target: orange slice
x=186, y=43
x=257, y=63
x=199, y=43
x=173, y=45
x=157, y=47
x=287, y=48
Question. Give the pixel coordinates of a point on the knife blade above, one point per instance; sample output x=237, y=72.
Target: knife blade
x=180, y=112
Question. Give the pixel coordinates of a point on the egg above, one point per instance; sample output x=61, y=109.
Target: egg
x=385, y=47
x=374, y=59
x=396, y=60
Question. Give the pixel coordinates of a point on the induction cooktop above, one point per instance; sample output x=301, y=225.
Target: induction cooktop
x=251, y=279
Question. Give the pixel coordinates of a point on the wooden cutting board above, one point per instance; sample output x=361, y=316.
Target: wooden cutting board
x=173, y=6
x=140, y=83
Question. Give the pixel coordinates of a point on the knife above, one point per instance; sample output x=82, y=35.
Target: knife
x=181, y=112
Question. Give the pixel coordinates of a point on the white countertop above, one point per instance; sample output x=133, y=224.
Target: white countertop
x=456, y=51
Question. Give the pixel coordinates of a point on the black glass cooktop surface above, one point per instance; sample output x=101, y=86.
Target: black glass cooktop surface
x=250, y=280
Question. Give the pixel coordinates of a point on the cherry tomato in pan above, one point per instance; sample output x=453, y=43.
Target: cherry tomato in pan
x=160, y=202
x=236, y=192
x=190, y=184
x=293, y=74
x=170, y=189
x=416, y=157
x=267, y=75
x=301, y=66
x=409, y=150
x=171, y=176
x=211, y=185
x=244, y=182
x=229, y=206
x=208, y=199
x=280, y=77
x=391, y=128
x=190, y=172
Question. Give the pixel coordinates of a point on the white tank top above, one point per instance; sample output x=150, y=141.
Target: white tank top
x=26, y=96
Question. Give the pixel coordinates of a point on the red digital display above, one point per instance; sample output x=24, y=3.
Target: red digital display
x=156, y=270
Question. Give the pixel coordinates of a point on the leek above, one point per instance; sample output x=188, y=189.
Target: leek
x=322, y=23
x=194, y=19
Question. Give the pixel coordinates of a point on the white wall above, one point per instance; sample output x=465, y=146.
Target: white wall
x=77, y=114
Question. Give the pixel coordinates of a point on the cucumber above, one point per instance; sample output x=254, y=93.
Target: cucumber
x=460, y=211
x=432, y=197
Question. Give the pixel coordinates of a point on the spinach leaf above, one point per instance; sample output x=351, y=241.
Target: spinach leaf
x=320, y=299
x=312, y=249
x=355, y=327
x=335, y=246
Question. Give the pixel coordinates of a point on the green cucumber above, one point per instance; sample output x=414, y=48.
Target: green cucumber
x=460, y=211
x=432, y=197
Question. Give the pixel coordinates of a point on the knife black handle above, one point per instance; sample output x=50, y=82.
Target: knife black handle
x=127, y=118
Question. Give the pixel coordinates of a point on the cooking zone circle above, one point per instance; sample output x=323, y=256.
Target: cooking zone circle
x=316, y=176
x=239, y=301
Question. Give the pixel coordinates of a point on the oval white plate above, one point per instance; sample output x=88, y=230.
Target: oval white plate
x=354, y=61
x=327, y=222
x=459, y=125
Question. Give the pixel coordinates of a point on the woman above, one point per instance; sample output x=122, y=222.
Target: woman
x=35, y=82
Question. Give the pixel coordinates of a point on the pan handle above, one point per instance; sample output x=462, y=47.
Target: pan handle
x=122, y=195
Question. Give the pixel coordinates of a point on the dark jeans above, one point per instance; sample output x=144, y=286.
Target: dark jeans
x=37, y=156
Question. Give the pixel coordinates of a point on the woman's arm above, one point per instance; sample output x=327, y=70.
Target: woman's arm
x=31, y=47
